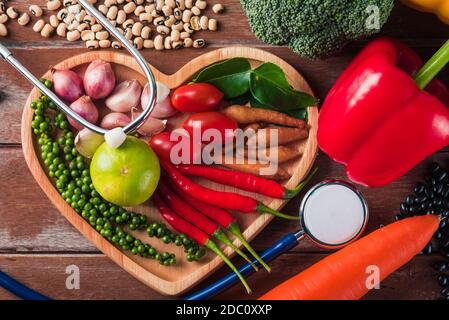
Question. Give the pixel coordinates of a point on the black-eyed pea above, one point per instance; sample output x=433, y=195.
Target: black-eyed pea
x=54, y=21
x=155, y=13
x=70, y=18
x=121, y=17
x=213, y=25
x=103, y=9
x=167, y=43
x=4, y=18
x=83, y=27
x=110, y=3
x=218, y=8
x=73, y=35
x=116, y=45
x=188, y=4
x=80, y=16
x=87, y=35
x=169, y=21
x=104, y=43
x=68, y=3
x=128, y=34
x=184, y=35
x=195, y=23
x=89, y=20
x=62, y=14
x=196, y=11
x=24, y=19
x=188, y=42
x=163, y=30
x=53, y=5
x=120, y=1
x=170, y=3
x=75, y=9
x=35, y=10
x=129, y=7
x=201, y=4
x=73, y=26
x=175, y=35
x=199, y=43
x=122, y=32
x=177, y=44
x=92, y=1
x=186, y=15
x=178, y=25
x=12, y=13
x=102, y=35
x=149, y=8
x=3, y=30
x=148, y=44
x=167, y=11
x=47, y=30
x=177, y=13
x=159, y=42
x=61, y=30
x=92, y=44
x=188, y=28
x=181, y=4
x=112, y=13
x=146, y=17
x=128, y=24
x=138, y=43
x=2, y=7
x=140, y=2
x=139, y=10
x=204, y=23
x=96, y=27
x=146, y=32
x=160, y=4
x=39, y=25
x=137, y=29
x=159, y=21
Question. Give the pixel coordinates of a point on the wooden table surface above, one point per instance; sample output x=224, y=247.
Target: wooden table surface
x=37, y=243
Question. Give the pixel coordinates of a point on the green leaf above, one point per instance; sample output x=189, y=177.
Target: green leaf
x=300, y=113
x=241, y=100
x=269, y=86
x=231, y=76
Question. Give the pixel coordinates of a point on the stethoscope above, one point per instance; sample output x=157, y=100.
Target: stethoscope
x=6, y=281
x=306, y=213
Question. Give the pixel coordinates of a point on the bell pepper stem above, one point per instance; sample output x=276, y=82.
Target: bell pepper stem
x=221, y=236
x=432, y=67
x=235, y=230
x=213, y=247
x=264, y=209
x=289, y=194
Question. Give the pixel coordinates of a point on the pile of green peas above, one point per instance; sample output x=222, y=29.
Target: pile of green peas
x=72, y=178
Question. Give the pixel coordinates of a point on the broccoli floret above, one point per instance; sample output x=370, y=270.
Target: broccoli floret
x=313, y=28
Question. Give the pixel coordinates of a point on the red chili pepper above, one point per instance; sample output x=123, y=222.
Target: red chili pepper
x=225, y=219
x=226, y=200
x=182, y=226
x=244, y=181
x=377, y=120
x=196, y=218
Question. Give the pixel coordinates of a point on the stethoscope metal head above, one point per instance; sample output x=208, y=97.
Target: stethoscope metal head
x=314, y=194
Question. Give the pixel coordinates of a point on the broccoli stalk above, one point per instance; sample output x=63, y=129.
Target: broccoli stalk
x=314, y=28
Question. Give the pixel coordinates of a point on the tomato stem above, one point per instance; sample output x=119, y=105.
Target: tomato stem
x=289, y=194
x=432, y=67
x=264, y=209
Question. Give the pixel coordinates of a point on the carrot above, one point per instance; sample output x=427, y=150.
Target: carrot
x=344, y=274
x=284, y=135
x=247, y=115
x=284, y=154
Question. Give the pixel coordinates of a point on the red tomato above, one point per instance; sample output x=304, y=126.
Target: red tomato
x=211, y=120
x=162, y=146
x=196, y=97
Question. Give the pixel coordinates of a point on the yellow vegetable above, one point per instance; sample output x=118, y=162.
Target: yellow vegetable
x=439, y=7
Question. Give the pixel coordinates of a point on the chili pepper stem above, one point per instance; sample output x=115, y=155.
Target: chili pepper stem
x=264, y=209
x=432, y=67
x=213, y=247
x=220, y=235
x=289, y=194
x=235, y=230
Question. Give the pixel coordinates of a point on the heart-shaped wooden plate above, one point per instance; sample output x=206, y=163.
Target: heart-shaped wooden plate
x=176, y=279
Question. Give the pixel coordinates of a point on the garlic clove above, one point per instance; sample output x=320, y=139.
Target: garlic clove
x=115, y=137
x=125, y=96
x=151, y=126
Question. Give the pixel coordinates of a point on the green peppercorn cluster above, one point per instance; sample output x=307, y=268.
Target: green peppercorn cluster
x=72, y=179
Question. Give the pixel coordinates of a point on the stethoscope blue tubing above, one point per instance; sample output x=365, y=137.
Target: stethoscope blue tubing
x=18, y=289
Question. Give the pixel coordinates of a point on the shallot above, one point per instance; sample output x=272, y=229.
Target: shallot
x=114, y=120
x=163, y=108
x=86, y=109
x=87, y=142
x=151, y=126
x=125, y=96
x=68, y=85
x=99, y=80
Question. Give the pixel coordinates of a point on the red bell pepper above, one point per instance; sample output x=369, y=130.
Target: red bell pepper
x=378, y=121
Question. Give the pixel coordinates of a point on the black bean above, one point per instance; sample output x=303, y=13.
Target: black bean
x=443, y=224
x=410, y=200
x=429, y=193
x=435, y=167
x=444, y=243
x=428, y=249
x=443, y=280
x=437, y=201
x=420, y=199
x=404, y=209
x=438, y=235
x=419, y=188
x=446, y=193
x=398, y=217
x=430, y=211
x=445, y=214
x=441, y=175
x=440, y=266
x=425, y=206
x=439, y=189
x=445, y=292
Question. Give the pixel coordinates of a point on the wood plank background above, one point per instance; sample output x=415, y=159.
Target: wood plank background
x=37, y=244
